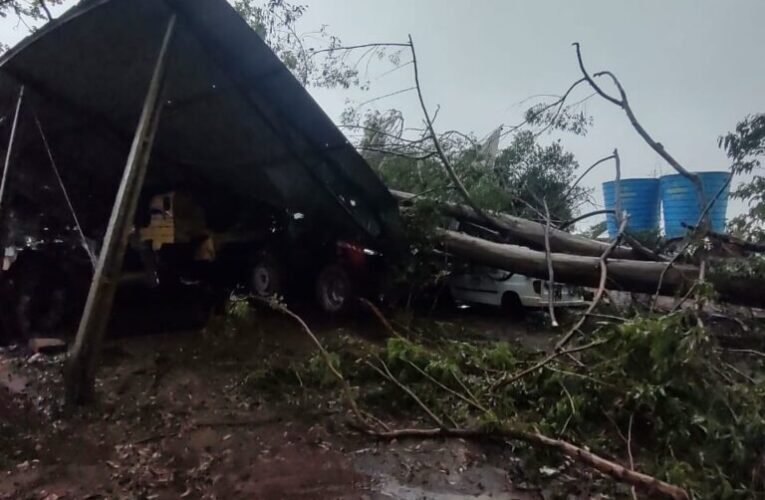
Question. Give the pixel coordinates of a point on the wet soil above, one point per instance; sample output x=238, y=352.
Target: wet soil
x=176, y=419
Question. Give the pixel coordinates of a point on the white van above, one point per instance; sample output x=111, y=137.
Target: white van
x=495, y=287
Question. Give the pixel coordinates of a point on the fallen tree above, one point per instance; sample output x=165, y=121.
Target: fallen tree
x=629, y=275
x=529, y=233
x=493, y=427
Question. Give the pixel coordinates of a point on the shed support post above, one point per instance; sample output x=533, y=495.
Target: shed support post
x=84, y=356
x=8, y=156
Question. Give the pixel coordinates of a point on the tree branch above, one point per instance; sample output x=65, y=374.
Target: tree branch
x=506, y=380
x=589, y=169
x=582, y=217
x=350, y=399
x=550, y=270
x=362, y=46
x=46, y=10
x=601, y=288
x=389, y=376
x=689, y=239
x=644, y=482
x=439, y=150
x=623, y=103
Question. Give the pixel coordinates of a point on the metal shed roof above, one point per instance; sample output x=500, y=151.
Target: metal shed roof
x=234, y=117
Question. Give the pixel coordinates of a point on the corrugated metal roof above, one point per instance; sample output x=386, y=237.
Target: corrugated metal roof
x=235, y=117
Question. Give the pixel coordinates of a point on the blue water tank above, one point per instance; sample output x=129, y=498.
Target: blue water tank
x=681, y=203
x=640, y=199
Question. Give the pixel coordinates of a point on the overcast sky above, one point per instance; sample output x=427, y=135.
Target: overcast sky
x=692, y=68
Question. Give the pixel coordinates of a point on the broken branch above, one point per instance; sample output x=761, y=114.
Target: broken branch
x=550, y=270
x=389, y=376
x=350, y=399
x=623, y=103
x=603, y=263
x=439, y=149
x=644, y=482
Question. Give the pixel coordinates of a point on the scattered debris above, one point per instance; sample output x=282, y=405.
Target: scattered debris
x=48, y=347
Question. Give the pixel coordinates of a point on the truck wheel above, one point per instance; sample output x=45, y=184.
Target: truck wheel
x=512, y=305
x=333, y=289
x=266, y=279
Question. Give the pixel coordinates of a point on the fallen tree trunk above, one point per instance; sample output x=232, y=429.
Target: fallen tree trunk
x=629, y=275
x=529, y=233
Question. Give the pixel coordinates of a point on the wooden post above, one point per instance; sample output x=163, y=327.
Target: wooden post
x=9, y=152
x=84, y=356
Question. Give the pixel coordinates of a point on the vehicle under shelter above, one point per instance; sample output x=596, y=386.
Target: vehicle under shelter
x=147, y=139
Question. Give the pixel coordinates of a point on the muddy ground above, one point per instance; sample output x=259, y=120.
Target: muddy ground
x=177, y=419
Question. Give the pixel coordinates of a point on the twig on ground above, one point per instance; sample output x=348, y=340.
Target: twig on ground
x=451, y=391
x=385, y=373
x=506, y=380
x=347, y=391
x=643, y=482
x=751, y=352
x=571, y=405
x=739, y=373
x=629, y=450
x=466, y=389
x=380, y=317
x=222, y=423
x=607, y=316
x=578, y=375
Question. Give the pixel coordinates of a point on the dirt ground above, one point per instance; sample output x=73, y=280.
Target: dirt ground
x=176, y=420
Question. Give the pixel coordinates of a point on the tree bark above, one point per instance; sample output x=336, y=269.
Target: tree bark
x=629, y=275
x=532, y=234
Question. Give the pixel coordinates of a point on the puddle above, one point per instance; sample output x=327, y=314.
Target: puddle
x=391, y=488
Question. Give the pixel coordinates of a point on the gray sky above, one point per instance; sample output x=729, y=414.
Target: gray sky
x=692, y=68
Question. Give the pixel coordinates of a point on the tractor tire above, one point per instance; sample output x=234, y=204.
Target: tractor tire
x=266, y=280
x=334, y=290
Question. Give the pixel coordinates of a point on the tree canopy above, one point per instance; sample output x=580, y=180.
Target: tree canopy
x=745, y=146
x=518, y=180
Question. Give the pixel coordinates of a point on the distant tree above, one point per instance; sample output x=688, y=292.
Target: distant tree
x=28, y=10
x=317, y=58
x=745, y=146
x=30, y=13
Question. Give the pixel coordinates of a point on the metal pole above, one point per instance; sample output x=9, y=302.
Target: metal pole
x=76, y=219
x=84, y=356
x=9, y=151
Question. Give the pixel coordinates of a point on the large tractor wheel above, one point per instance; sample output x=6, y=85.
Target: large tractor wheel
x=334, y=290
x=266, y=279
